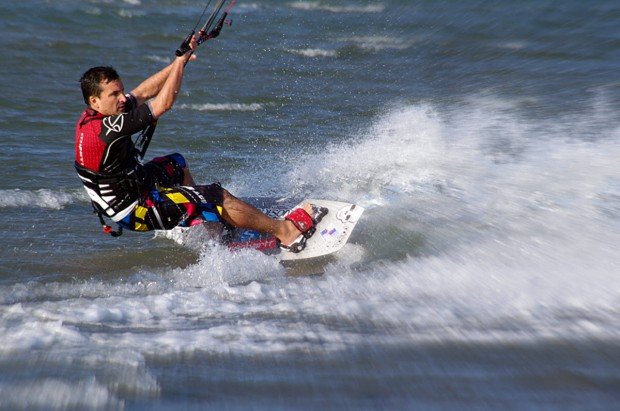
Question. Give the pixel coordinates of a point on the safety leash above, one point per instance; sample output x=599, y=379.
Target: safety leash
x=107, y=229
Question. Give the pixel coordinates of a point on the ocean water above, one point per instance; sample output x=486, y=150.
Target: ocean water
x=482, y=137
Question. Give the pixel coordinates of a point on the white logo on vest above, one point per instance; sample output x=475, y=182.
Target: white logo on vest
x=113, y=123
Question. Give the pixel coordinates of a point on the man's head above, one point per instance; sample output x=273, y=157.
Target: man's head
x=103, y=90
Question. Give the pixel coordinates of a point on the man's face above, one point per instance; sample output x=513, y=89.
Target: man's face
x=112, y=99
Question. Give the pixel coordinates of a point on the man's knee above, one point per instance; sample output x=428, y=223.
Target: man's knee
x=227, y=196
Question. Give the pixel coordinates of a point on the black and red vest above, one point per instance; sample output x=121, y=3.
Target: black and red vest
x=106, y=158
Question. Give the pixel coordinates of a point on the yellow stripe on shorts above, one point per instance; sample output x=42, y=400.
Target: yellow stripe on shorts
x=141, y=212
x=177, y=198
x=141, y=227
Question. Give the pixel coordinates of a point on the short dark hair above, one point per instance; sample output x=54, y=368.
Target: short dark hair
x=91, y=80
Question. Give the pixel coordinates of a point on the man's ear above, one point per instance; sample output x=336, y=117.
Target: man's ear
x=94, y=102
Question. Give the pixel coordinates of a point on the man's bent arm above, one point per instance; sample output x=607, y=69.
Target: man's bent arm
x=152, y=86
x=170, y=89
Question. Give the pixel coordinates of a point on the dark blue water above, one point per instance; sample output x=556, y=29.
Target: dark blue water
x=481, y=137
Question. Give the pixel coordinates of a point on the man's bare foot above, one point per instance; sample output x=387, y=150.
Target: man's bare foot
x=289, y=233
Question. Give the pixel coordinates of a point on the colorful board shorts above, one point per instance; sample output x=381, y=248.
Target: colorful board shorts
x=167, y=204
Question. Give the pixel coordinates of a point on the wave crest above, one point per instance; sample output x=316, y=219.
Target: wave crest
x=317, y=5
x=223, y=107
x=42, y=198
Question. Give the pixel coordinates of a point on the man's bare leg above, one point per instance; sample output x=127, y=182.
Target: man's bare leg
x=243, y=215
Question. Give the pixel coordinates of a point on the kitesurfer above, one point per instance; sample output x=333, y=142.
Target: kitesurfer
x=160, y=194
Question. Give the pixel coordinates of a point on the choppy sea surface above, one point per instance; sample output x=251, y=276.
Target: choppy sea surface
x=482, y=138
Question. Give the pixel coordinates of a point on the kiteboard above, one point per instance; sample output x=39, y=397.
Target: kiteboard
x=332, y=232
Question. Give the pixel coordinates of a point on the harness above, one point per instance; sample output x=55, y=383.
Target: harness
x=112, y=195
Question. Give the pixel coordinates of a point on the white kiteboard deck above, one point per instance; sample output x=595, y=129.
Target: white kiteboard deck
x=332, y=232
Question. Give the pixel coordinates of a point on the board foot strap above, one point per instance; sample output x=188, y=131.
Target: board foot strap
x=306, y=224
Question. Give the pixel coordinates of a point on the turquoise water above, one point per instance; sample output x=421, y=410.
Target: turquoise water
x=481, y=137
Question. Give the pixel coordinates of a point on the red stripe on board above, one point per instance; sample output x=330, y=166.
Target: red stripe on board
x=262, y=244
